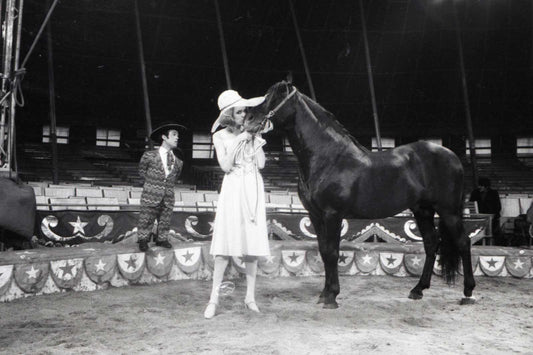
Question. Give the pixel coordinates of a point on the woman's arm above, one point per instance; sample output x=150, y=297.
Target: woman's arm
x=225, y=157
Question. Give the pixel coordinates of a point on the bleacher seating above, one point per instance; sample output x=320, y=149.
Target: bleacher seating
x=69, y=196
x=508, y=175
x=98, y=178
x=68, y=203
x=86, y=197
x=119, y=193
x=103, y=203
x=280, y=173
x=60, y=191
x=127, y=198
x=73, y=166
x=89, y=192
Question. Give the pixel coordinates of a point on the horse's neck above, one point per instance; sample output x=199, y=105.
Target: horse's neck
x=314, y=136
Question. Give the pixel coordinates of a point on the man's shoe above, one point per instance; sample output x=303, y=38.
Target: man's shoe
x=164, y=244
x=143, y=245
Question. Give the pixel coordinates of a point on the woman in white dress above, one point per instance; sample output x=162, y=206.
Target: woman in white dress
x=240, y=222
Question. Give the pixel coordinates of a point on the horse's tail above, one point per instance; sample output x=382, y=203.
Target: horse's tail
x=450, y=256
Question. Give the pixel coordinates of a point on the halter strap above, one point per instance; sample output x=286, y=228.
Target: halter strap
x=273, y=112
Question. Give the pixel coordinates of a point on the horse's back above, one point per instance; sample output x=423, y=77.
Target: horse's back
x=414, y=174
x=439, y=159
x=443, y=174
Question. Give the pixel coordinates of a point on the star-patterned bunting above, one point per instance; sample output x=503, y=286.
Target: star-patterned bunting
x=159, y=259
x=100, y=266
x=189, y=259
x=32, y=273
x=78, y=226
x=132, y=262
x=294, y=257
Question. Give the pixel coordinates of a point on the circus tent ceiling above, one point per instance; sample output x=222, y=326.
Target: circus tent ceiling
x=413, y=50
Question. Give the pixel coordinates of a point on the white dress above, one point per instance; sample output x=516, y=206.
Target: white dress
x=240, y=222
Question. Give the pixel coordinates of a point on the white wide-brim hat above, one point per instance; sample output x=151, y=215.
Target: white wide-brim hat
x=231, y=98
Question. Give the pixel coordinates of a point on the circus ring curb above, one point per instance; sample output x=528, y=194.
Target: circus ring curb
x=98, y=266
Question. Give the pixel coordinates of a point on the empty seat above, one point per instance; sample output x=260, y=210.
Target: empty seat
x=120, y=194
x=60, y=192
x=190, y=198
x=42, y=203
x=510, y=207
x=280, y=199
x=297, y=207
x=278, y=207
x=524, y=204
x=178, y=206
x=135, y=194
x=88, y=192
x=205, y=206
x=38, y=190
x=71, y=203
x=295, y=199
x=134, y=201
x=296, y=204
x=103, y=203
x=42, y=184
x=210, y=196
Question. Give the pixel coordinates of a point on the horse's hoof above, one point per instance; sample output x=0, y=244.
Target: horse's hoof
x=321, y=300
x=468, y=300
x=330, y=305
x=416, y=295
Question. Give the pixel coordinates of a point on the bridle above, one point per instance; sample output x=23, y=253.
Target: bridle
x=273, y=112
x=283, y=102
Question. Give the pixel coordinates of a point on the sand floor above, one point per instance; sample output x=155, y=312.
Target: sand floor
x=375, y=317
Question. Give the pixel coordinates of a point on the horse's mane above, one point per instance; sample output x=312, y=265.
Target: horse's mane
x=331, y=121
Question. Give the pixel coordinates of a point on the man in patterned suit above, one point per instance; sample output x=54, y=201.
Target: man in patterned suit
x=160, y=169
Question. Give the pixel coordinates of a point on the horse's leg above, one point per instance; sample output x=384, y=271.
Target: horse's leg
x=318, y=224
x=425, y=222
x=453, y=227
x=316, y=216
x=328, y=243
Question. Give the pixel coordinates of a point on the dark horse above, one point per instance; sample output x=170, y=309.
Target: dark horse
x=339, y=178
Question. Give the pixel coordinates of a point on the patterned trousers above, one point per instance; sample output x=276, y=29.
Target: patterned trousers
x=148, y=215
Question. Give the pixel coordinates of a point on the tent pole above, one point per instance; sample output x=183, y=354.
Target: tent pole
x=370, y=76
x=472, y=145
x=143, y=75
x=38, y=36
x=12, y=158
x=51, y=90
x=302, y=51
x=223, y=45
x=6, y=78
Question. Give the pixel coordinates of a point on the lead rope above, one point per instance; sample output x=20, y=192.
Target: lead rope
x=252, y=214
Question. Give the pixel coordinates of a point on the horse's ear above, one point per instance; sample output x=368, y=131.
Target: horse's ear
x=289, y=77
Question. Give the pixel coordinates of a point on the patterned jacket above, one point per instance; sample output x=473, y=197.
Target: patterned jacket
x=156, y=186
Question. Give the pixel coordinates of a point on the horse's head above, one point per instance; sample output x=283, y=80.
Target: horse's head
x=276, y=108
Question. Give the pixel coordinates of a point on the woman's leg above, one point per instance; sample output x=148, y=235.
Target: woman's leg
x=221, y=262
x=251, y=275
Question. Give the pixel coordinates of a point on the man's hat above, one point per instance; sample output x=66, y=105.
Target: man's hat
x=231, y=98
x=156, y=133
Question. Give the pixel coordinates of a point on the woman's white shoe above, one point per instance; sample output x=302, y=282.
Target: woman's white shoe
x=210, y=310
x=252, y=306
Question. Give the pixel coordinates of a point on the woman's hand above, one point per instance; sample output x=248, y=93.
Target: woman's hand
x=244, y=136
